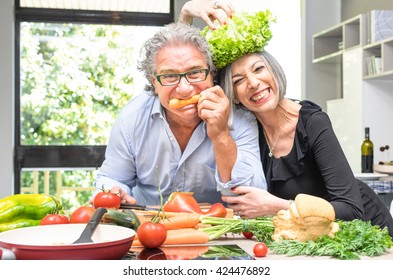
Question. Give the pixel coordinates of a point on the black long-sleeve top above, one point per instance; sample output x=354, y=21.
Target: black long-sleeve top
x=316, y=165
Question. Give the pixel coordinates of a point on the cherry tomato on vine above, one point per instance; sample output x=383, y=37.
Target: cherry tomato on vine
x=106, y=199
x=247, y=234
x=260, y=249
x=151, y=235
x=52, y=219
x=82, y=215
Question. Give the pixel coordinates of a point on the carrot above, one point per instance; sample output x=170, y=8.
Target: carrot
x=186, y=220
x=181, y=236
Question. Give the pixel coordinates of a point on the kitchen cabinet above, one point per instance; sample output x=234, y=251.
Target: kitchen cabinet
x=365, y=97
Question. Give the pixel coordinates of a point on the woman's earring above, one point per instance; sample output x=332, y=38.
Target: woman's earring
x=236, y=101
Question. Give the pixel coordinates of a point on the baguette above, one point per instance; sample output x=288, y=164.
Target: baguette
x=179, y=103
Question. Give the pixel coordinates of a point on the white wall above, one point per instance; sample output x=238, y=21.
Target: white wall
x=317, y=15
x=6, y=99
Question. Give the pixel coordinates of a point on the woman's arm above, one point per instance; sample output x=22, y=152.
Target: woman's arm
x=340, y=182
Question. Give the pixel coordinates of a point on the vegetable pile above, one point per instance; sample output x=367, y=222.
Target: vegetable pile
x=354, y=239
x=23, y=210
x=244, y=33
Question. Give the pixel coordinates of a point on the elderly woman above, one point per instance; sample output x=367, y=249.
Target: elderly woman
x=299, y=150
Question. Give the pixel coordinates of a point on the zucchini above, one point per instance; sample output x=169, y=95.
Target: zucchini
x=125, y=218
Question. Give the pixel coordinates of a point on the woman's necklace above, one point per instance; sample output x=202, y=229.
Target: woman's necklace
x=271, y=148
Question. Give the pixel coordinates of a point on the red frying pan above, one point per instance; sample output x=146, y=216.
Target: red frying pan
x=55, y=242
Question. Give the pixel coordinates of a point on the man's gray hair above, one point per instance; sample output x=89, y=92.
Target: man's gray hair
x=172, y=34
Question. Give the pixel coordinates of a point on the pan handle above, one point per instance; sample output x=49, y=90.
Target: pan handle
x=6, y=254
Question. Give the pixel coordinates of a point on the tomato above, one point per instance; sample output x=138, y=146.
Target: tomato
x=106, y=199
x=151, y=235
x=247, y=234
x=260, y=249
x=82, y=215
x=52, y=219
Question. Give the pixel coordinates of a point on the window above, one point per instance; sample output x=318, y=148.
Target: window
x=75, y=71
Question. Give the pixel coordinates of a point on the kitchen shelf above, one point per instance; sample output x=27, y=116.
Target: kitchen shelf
x=328, y=45
x=384, y=51
x=346, y=70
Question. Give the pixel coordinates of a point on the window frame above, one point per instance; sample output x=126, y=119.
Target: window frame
x=70, y=156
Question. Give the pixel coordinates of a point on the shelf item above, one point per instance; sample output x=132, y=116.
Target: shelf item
x=379, y=27
x=383, y=168
x=369, y=176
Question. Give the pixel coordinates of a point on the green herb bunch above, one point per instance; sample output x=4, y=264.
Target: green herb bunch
x=244, y=33
x=355, y=238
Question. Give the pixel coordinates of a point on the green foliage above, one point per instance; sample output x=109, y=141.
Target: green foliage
x=75, y=79
x=354, y=238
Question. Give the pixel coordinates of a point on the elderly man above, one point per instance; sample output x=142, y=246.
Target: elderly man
x=180, y=135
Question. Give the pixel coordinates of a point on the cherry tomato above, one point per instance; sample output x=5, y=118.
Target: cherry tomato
x=82, y=215
x=260, y=249
x=151, y=235
x=106, y=199
x=52, y=219
x=247, y=234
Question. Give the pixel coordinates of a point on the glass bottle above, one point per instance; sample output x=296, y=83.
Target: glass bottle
x=367, y=153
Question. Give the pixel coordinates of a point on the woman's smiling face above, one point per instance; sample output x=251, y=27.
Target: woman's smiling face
x=253, y=84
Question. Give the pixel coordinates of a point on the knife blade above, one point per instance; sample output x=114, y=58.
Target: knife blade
x=137, y=206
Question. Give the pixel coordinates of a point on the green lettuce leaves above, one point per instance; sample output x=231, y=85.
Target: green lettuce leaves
x=244, y=33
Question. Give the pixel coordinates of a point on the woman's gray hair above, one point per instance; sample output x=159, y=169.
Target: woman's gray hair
x=172, y=34
x=225, y=77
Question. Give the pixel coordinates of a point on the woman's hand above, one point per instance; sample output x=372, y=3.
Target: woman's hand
x=207, y=10
x=254, y=202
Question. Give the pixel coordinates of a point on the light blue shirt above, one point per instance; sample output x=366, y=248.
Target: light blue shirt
x=142, y=153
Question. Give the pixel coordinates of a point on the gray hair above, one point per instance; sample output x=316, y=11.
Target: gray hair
x=172, y=34
x=225, y=77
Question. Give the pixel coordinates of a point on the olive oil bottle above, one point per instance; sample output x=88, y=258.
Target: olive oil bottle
x=367, y=153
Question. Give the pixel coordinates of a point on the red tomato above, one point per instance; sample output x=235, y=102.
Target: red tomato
x=151, y=235
x=82, y=215
x=106, y=199
x=52, y=219
x=260, y=249
x=247, y=234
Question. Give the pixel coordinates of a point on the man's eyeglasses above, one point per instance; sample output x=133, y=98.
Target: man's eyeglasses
x=193, y=76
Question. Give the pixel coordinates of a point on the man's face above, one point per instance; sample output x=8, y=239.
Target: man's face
x=177, y=59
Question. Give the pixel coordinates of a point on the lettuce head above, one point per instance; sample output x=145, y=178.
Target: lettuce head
x=244, y=33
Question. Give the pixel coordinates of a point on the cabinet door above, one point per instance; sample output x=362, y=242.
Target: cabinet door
x=347, y=114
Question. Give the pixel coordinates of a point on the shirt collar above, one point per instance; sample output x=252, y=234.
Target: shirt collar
x=157, y=110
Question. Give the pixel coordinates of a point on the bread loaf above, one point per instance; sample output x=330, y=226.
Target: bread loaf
x=307, y=218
